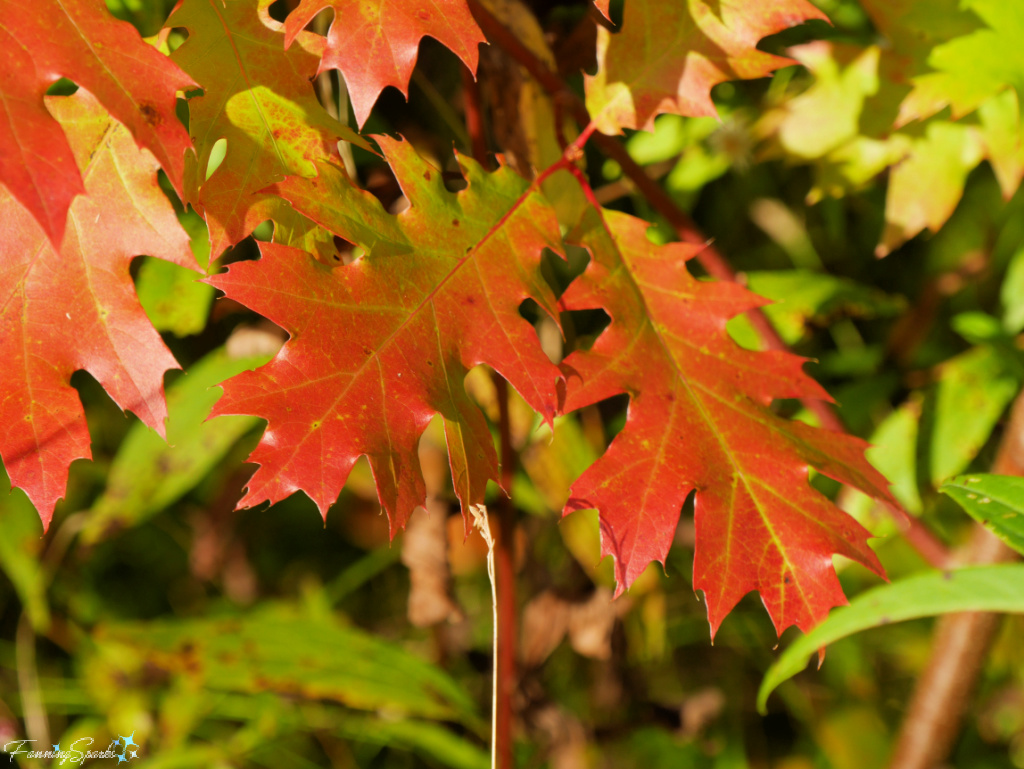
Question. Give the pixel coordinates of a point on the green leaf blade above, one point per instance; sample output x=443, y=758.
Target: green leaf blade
x=983, y=588
x=148, y=473
x=994, y=501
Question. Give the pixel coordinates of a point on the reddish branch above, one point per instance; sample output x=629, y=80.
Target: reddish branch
x=917, y=535
x=508, y=626
x=474, y=118
x=505, y=570
x=962, y=641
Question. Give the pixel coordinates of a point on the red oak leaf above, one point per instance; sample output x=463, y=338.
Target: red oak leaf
x=260, y=101
x=699, y=419
x=375, y=42
x=380, y=346
x=40, y=42
x=669, y=55
x=76, y=308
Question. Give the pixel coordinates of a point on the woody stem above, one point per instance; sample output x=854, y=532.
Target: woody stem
x=502, y=563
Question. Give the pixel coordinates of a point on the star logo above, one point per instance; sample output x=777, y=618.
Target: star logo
x=130, y=749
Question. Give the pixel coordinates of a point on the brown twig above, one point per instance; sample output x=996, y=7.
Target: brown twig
x=930, y=547
x=937, y=707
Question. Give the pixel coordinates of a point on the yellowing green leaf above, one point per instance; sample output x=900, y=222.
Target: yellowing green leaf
x=669, y=55
x=260, y=99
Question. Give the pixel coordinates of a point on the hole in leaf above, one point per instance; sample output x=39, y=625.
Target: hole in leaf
x=217, y=153
x=454, y=182
x=530, y=310
x=559, y=272
x=181, y=111
x=62, y=87
x=827, y=486
x=176, y=38
x=279, y=10
x=583, y=327
x=346, y=251
x=264, y=231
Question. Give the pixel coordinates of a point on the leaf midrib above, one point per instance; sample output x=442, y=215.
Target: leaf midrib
x=689, y=385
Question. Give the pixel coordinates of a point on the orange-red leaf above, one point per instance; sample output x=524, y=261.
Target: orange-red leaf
x=669, y=55
x=76, y=308
x=42, y=41
x=375, y=42
x=699, y=419
x=379, y=346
